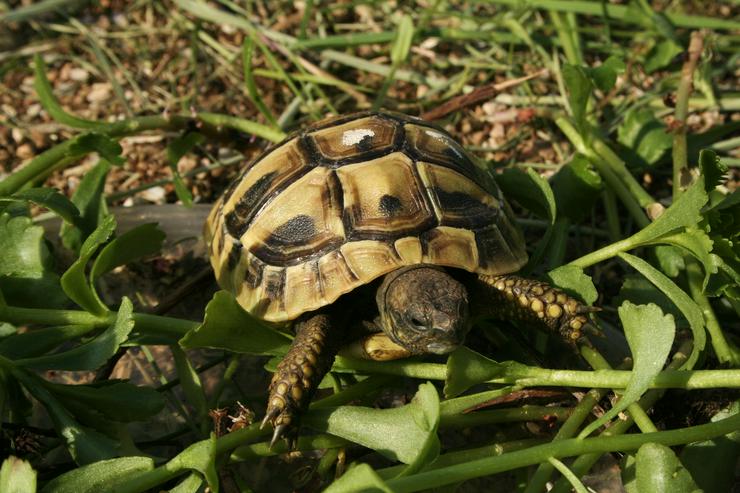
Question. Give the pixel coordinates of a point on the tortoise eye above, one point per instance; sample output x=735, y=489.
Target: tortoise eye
x=418, y=324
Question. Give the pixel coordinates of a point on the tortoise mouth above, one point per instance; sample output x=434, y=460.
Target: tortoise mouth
x=441, y=347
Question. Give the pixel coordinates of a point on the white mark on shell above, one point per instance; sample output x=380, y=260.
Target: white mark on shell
x=355, y=136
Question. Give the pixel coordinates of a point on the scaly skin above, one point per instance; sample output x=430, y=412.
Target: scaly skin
x=533, y=302
x=298, y=375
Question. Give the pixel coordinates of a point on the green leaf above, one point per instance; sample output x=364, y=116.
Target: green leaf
x=712, y=168
x=645, y=138
x=661, y=55
x=191, y=484
x=175, y=151
x=108, y=149
x=17, y=476
x=685, y=212
x=139, y=242
x=575, y=282
x=26, y=279
x=75, y=282
x=252, y=91
x=407, y=434
x=683, y=302
x=697, y=243
x=24, y=252
x=99, y=477
x=529, y=190
x=579, y=87
x=605, y=75
x=39, y=341
x=658, y=470
x=46, y=95
x=85, y=445
x=650, y=336
x=640, y=291
x=201, y=457
x=359, y=478
x=576, y=188
x=227, y=326
x=190, y=383
x=670, y=259
x=116, y=400
x=402, y=43
x=712, y=462
x=51, y=199
x=90, y=355
x=466, y=368
x=90, y=202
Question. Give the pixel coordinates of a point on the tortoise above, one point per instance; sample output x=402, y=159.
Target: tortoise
x=372, y=201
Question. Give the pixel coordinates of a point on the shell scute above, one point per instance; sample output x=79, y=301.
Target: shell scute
x=356, y=138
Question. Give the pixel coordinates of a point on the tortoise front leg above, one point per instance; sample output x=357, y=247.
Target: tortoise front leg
x=533, y=302
x=298, y=374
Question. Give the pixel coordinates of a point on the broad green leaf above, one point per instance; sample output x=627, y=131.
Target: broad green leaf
x=579, y=87
x=90, y=202
x=75, y=282
x=661, y=55
x=645, y=138
x=90, y=355
x=529, y=190
x=640, y=291
x=576, y=188
x=17, y=476
x=650, y=336
x=24, y=252
x=605, y=75
x=658, y=470
x=683, y=302
x=685, y=212
x=359, y=478
x=407, y=434
x=201, y=457
x=51, y=199
x=670, y=259
x=402, y=43
x=190, y=383
x=191, y=484
x=712, y=462
x=629, y=469
x=108, y=149
x=99, y=477
x=139, y=242
x=466, y=368
x=697, y=243
x=116, y=400
x=175, y=151
x=575, y=282
x=712, y=168
x=227, y=326
x=85, y=445
x=26, y=279
x=39, y=341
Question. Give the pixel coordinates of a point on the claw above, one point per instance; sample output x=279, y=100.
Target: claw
x=277, y=434
x=270, y=416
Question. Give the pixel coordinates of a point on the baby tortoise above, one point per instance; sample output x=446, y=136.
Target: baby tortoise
x=378, y=201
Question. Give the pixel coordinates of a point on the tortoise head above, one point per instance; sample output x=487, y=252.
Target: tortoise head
x=423, y=309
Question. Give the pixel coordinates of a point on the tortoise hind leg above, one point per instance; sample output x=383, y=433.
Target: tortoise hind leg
x=535, y=303
x=298, y=374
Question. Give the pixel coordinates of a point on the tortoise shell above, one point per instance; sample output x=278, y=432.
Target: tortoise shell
x=345, y=201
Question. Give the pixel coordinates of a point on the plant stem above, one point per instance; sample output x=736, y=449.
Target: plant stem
x=680, y=159
x=560, y=449
x=524, y=413
x=144, y=322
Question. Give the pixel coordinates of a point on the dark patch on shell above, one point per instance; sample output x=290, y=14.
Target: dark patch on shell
x=296, y=230
x=389, y=205
x=468, y=212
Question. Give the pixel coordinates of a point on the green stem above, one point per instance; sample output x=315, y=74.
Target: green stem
x=144, y=322
x=726, y=352
x=524, y=413
x=560, y=449
x=604, y=253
